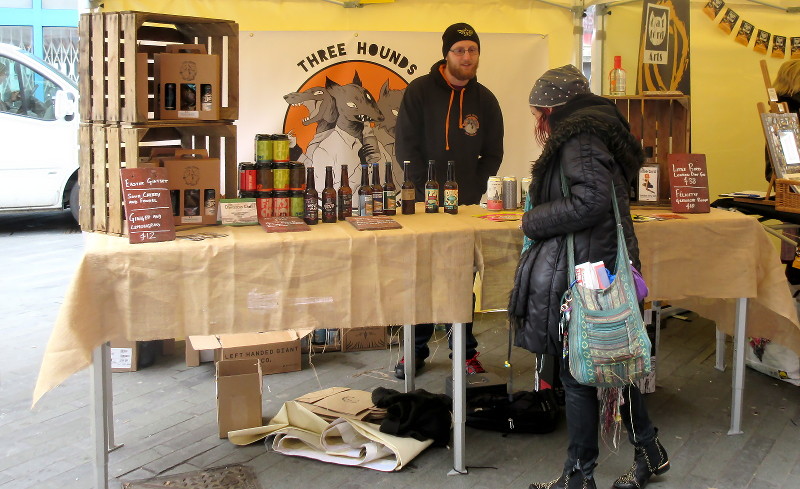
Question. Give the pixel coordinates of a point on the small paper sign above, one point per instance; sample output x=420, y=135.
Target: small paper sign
x=688, y=180
x=372, y=223
x=284, y=224
x=148, y=206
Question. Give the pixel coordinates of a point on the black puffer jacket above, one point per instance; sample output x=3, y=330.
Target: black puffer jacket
x=591, y=141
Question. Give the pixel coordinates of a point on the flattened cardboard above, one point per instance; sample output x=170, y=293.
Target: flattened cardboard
x=239, y=395
x=337, y=402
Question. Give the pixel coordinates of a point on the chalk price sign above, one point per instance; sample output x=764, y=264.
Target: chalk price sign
x=688, y=181
x=148, y=207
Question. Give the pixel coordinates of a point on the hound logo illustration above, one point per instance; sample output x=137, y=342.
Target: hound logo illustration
x=471, y=124
x=345, y=114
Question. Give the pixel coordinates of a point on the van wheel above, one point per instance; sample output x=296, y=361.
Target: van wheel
x=74, y=201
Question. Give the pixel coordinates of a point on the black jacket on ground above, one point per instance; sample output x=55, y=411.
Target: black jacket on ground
x=476, y=147
x=591, y=141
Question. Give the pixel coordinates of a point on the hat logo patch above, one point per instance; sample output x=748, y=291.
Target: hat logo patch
x=466, y=32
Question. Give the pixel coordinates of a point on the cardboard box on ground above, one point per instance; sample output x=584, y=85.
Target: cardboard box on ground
x=277, y=351
x=348, y=339
x=125, y=354
x=239, y=395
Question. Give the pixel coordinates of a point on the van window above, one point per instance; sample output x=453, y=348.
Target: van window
x=25, y=92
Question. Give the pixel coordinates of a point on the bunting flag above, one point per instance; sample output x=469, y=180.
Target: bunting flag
x=744, y=35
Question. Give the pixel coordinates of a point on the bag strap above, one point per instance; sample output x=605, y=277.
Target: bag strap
x=622, y=248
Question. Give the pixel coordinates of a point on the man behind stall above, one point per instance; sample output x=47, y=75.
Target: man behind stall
x=447, y=115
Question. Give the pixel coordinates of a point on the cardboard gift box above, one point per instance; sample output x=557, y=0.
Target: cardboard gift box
x=239, y=395
x=277, y=351
x=194, y=183
x=187, y=83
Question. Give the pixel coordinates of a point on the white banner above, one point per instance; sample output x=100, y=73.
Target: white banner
x=305, y=83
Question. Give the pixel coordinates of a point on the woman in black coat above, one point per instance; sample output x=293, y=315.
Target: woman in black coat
x=585, y=136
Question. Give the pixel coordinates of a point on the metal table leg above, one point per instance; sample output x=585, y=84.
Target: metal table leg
x=100, y=377
x=739, y=337
x=720, y=363
x=409, y=356
x=459, y=398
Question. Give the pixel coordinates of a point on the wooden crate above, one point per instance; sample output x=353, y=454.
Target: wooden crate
x=107, y=148
x=662, y=123
x=116, y=55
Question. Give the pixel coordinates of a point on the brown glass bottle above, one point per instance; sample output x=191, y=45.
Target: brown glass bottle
x=328, y=197
x=377, y=191
x=364, y=193
x=408, y=192
x=344, y=202
x=389, y=193
x=310, y=198
x=432, y=190
x=451, y=189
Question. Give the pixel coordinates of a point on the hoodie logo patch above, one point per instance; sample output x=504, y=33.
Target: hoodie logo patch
x=471, y=124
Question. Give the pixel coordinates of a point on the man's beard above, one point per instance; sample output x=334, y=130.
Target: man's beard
x=462, y=73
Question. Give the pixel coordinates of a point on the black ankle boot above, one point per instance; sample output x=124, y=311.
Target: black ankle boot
x=647, y=460
x=572, y=479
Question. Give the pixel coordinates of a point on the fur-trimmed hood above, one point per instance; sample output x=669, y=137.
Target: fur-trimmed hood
x=592, y=115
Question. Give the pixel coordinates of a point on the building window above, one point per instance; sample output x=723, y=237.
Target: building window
x=18, y=35
x=61, y=49
x=60, y=4
x=16, y=3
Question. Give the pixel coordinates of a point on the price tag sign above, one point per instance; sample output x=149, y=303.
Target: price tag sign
x=148, y=207
x=688, y=181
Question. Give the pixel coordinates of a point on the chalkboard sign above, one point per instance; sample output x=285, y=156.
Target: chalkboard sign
x=688, y=181
x=148, y=206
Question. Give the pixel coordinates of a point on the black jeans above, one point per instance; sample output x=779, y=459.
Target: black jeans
x=583, y=420
x=424, y=332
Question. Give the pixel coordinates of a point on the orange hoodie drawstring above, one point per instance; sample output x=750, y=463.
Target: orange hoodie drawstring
x=449, y=106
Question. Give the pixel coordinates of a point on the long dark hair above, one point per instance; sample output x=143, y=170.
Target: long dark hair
x=543, y=129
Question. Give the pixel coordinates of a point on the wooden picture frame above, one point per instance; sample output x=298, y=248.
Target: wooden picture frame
x=782, y=132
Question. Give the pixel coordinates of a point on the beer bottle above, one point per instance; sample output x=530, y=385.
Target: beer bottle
x=310, y=196
x=408, y=192
x=364, y=193
x=345, y=196
x=377, y=191
x=328, y=197
x=431, y=189
x=451, y=190
x=389, y=193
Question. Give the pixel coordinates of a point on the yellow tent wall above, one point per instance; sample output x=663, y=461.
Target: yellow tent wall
x=726, y=85
x=726, y=78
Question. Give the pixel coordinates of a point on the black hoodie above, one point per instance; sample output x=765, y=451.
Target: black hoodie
x=472, y=136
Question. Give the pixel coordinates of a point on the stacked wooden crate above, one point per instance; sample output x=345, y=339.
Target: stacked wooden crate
x=663, y=123
x=117, y=97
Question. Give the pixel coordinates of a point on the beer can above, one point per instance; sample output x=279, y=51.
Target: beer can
x=264, y=204
x=247, y=177
x=509, y=193
x=297, y=176
x=191, y=202
x=280, y=147
x=280, y=175
x=525, y=185
x=169, y=96
x=210, y=202
x=280, y=203
x=206, y=100
x=264, y=178
x=296, y=203
x=263, y=148
x=494, y=194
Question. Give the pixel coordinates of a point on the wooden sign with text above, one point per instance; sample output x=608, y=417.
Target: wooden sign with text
x=148, y=207
x=372, y=223
x=688, y=181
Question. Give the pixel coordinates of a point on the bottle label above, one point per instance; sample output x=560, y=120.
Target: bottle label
x=389, y=201
x=450, y=198
x=365, y=205
x=328, y=210
x=377, y=203
x=345, y=205
x=431, y=199
x=408, y=194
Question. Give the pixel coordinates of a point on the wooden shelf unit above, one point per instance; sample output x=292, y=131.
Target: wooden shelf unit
x=662, y=122
x=116, y=55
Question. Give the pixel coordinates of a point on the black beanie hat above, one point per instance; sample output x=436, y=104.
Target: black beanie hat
x=557, y=86
x=458, y=32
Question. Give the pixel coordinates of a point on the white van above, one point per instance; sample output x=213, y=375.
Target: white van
x=38, y=135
